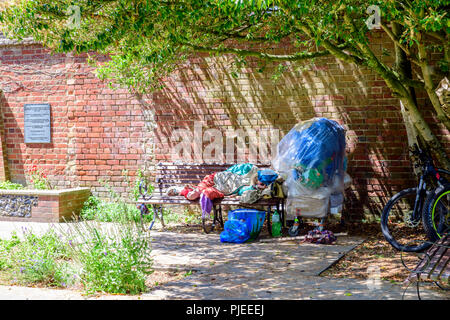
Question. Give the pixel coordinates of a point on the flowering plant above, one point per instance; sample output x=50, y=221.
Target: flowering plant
x=38, y=178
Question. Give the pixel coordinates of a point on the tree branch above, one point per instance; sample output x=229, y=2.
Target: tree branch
x=262, y=55
x=391, y=35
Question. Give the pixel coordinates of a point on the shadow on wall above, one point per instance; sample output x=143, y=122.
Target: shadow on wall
x=206, y=92
x=4, y=169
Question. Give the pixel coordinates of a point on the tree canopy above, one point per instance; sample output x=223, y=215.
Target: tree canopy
x=148, y=39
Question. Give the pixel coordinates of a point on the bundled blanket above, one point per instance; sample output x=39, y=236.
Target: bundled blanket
x=244, y=180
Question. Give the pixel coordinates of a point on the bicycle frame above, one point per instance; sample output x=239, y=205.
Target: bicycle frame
x=418, y=203
x=428, y=170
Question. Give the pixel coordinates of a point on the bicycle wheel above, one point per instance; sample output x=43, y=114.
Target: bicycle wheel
x=436, y=216
x=400, y=227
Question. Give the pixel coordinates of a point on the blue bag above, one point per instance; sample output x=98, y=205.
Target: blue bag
x=235, y=231
x=267, y=176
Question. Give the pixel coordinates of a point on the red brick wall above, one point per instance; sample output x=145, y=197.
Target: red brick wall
x=4, y=172
x=97, y=132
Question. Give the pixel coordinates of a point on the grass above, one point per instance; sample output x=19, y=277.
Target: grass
x=106, y=250
x=98, y=257
x=8, y=185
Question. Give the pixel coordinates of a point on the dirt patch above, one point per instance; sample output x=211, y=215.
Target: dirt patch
x=374, y=257
x=159, y=277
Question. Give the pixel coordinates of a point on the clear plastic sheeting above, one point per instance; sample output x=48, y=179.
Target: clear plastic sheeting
x=311, y=159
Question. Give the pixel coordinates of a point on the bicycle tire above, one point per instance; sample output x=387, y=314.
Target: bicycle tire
x=436, y=211
x=385, y=221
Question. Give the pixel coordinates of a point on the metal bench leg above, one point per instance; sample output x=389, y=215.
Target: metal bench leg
x=269, y=220
x=161, y=218
x=220, y=216
x=157, y=213
x=144, y=210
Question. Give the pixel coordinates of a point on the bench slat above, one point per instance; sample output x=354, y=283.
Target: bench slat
x=434, y=260
x=436, y=266
x=224, y=201
x=423, y=263
x=440, y=268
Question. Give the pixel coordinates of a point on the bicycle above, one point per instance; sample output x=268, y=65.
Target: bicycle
x=402, y=216
x=436, y=215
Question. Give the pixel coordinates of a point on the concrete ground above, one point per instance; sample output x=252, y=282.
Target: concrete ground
x=275, y=270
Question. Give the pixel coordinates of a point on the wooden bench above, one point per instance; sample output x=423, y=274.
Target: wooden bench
x=170, y=174
x=434, y=265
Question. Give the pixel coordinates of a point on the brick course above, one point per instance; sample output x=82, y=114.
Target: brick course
x=97, y=132
x=52, y=205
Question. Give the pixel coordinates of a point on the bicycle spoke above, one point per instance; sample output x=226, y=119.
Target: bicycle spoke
x=400, y=225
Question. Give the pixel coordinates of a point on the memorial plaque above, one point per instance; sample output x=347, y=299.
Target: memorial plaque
x=37, y=123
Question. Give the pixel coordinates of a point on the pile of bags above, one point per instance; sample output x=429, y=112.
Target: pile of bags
x=244, y=180
x=311, y=159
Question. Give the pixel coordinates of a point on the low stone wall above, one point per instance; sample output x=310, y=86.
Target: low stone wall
x=42, y=205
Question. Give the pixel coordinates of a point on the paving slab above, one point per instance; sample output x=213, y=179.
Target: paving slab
x=196, y=252
x=276, y=270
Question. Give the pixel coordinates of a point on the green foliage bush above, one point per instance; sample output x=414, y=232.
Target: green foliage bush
x=36, y=259
x=109, y=211
x=8, y=185
x=114, y=262
x=111, y=257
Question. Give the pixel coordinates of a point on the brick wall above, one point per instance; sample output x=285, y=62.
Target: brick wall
x=98, y=132
x=4, y=172
x=43, y=205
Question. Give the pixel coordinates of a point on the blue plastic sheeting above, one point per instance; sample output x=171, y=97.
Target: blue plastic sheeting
x=315, y=149
x=253, y=218
x=235, y=231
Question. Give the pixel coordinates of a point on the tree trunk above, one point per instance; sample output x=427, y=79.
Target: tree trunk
x=427, y=74
x=403, y=67
x=410, y=111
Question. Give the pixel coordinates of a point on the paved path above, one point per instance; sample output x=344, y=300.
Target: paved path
x=258, y=270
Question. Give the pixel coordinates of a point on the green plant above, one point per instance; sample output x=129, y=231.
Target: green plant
x=116, y=209
x=8, y=185
x=106, y=257
x=113, y=258
x=135, y=193
x=36, y=259
x=109, y=211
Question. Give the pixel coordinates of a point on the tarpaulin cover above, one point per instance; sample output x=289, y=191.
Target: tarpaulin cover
x=311, y=158
x=315, y=148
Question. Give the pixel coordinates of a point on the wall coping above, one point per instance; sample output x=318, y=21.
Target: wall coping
x=33, y=192
x=4, y=41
